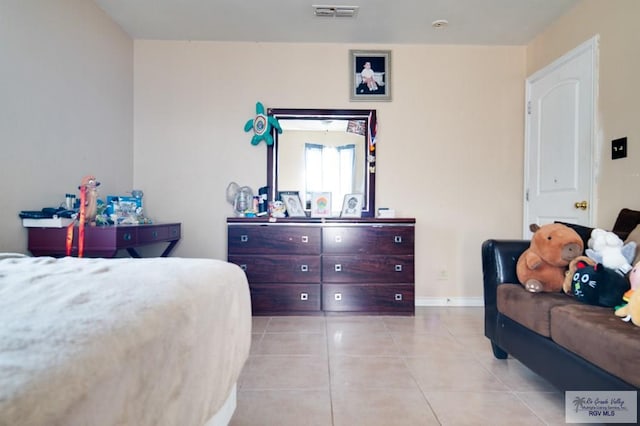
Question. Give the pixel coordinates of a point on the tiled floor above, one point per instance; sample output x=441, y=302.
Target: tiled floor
x=435, y=368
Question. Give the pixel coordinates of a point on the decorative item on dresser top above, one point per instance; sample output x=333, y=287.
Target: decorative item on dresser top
x=331, y=265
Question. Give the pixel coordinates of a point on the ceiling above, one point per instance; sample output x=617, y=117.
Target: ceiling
x=483, y=22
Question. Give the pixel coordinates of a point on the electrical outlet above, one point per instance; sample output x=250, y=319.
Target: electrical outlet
x=619, y=148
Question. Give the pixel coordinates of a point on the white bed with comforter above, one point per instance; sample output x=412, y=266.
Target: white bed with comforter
x=158, y=341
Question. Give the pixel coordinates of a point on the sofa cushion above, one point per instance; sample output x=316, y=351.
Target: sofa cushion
x=530, y=309
x=597, y=335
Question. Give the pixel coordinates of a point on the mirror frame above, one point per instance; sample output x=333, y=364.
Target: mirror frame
x=369, y=115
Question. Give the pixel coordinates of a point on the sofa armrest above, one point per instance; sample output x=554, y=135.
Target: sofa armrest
x=499, y=259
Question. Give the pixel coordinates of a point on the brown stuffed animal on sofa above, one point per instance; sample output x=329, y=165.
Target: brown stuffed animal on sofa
x=543, y=265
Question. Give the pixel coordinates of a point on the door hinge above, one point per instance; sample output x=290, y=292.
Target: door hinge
x=526, y=195
x=529, y=107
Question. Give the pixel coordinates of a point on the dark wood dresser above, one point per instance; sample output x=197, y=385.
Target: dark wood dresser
x=315, y=266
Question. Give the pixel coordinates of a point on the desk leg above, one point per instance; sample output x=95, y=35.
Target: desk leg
x=170, y=247
x=133, y=253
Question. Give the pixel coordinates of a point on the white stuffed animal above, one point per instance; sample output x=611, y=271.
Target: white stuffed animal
x=607, y=248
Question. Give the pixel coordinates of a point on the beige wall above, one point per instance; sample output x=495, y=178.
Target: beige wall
x=450, y=147
x=619, y=89
x=450, y=142
x=66, y=106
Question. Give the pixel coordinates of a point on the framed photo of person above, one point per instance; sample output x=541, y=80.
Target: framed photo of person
x=320, y=204
x=352, y=205
x=370, y=75
x=291, y=200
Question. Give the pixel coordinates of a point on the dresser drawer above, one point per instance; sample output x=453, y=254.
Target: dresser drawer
x=273, y=240
x=368, y=240
x=373, y=298
x=376, y=269
x=280, y=298
x=281, y=269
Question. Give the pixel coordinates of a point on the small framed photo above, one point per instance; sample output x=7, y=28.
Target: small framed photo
x=352, y=205
x=292, y=202
x=370, y=75
x=320, y=204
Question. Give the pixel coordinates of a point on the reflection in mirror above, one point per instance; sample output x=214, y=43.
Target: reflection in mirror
x=323, y=151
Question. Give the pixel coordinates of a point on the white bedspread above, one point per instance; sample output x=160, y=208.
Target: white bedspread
x=157, y=341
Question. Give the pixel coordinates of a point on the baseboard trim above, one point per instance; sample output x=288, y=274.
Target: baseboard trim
x=449, y=301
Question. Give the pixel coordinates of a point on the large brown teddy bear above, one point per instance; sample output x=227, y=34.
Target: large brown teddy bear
x=543, y=265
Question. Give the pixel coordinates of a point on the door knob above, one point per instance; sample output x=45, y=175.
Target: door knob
x=581, y=205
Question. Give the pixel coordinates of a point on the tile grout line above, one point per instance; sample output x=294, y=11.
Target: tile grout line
x=326, y=341
x=413, y=377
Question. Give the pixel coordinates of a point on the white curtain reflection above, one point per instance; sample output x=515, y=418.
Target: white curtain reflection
x=330, y=169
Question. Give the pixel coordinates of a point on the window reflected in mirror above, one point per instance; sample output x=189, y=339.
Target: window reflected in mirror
x=321, y=161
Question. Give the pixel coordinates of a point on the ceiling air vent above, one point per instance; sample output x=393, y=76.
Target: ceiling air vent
x=335, y=11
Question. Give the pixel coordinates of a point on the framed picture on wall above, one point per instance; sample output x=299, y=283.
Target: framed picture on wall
x=320, y=204
x=370, y=75
x=352, y=205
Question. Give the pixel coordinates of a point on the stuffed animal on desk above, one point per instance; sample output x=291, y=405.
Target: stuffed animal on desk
x=90, y=185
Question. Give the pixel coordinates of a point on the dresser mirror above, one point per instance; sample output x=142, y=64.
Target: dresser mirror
x=324, y=151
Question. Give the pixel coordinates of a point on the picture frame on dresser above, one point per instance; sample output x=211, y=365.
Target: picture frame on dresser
x=292, y=202
x=352, y=205
x=320, y=204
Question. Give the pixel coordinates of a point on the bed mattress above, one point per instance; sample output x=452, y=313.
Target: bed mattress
x=157, y=341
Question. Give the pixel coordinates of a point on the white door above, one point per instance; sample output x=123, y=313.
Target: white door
x=559, y=140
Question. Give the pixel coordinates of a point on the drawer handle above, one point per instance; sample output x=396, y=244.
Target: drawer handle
x=174, y=231
x=337, y=296
x=244, y=238
x=304, y=268
x=398, y=297
x=127, y=236
x=304, y=296
x=338, y=238
x=397, y=239
x=243, y=267
x=338, y=267
x=305, y=239
x=154, y=235
x=398, y=268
